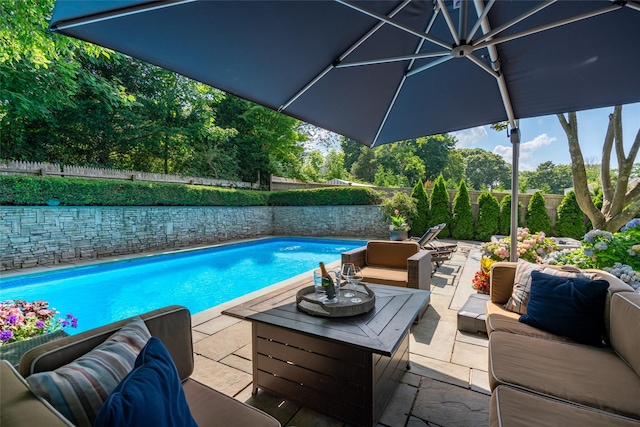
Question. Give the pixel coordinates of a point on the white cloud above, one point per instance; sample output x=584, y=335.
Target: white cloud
x=466, y=138
x=527, y=150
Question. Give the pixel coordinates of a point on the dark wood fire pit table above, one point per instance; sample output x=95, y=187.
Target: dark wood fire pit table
x=345, y=367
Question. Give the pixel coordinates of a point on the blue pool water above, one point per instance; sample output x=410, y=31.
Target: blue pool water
x=198, y=279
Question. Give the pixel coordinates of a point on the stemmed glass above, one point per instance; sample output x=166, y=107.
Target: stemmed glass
x=356, y=277
x=347, y=268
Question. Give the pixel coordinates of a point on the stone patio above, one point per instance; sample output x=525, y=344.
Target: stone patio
x=447, y=385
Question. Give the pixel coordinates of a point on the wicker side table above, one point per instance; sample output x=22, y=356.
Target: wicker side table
x=14, y=351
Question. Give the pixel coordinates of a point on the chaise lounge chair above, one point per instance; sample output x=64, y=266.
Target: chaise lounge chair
x=441, y=251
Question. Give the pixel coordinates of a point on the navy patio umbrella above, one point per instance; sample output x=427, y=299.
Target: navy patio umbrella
x=383, y=71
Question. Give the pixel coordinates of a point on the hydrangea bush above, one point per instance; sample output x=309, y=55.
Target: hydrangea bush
x=21, y=320
x=531, y=247
x=617, y=253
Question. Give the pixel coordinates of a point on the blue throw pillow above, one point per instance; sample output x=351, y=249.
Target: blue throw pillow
x=150, y=395
x=566, y=306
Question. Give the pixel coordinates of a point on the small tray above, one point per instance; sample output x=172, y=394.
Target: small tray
x=308, y=301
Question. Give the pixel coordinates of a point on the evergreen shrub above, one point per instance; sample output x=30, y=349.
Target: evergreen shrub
x=570, y=219
x=504, y=222
x=537, y=215
x=440, y=207
x=488, y=216
x=462, y=216
x=419, y=222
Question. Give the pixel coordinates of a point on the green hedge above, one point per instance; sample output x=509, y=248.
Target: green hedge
x=36, y=191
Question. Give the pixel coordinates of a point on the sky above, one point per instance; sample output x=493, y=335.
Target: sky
x=541, y=138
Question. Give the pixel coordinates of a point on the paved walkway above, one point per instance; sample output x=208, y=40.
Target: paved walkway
x=447, y=385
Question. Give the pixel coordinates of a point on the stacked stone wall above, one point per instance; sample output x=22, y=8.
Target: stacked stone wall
x=43, y=236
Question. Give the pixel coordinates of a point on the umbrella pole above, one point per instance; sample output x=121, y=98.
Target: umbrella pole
x=515, y=142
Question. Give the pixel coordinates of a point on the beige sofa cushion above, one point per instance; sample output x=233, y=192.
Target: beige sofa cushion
x=513, y=407
x=625, y=328
x=385, y=276
x=586, y=375
x=19, y=406
x=499, y=319
x=383, y=253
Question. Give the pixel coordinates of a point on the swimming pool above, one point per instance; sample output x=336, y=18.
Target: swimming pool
x=197, y=279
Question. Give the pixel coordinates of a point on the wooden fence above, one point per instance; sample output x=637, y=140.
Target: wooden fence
x=552, y=201
x=17, y=167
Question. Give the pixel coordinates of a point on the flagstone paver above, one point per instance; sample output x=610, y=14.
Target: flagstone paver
x=447, y=385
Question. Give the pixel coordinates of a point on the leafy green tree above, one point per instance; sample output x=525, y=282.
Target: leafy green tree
x=570, y=219
x=462, y=217
x=335, y=165
x=549, y=178
x=488, y=216
x=351, y=150
x=312, y=163
x=505, y=215
x=422, y=206
x=485, y=170
x=440, y=212
x=365, y=168
x=455, y=169
x=537, y=216
x=434, y=152
x=385, y=178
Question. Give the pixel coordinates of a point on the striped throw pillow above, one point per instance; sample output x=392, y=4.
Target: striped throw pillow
x=78, y=390
x=521, y=286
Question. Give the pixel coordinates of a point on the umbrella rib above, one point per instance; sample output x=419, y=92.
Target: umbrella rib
x=482, y=65
x=480, y=19
x=341, y=58
x=513, y=22
x=449, y=21
x=114, y=14
x=541, y=28
x=633, y=5
x=404, y=78
x=393, y=59
x=429, y=65
x=398, y=25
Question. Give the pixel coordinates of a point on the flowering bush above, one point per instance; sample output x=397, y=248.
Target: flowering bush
x=398, y=222
x=605, y=248
x=626, y=274
x=481, y=280
x=531, y=247
x=21, y=320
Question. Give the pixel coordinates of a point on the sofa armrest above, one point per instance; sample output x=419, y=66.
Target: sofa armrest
x=20, y=406
x=502, y=276
x=419, y=268
x=356, y=256
x=172, y=325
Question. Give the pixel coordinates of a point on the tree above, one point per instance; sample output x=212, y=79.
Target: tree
x=550, y=178
x=537, y=215
x=434, y=152
x=488, y=216
x=312, y=163
x=485, y=170
x=455, y=169
x=335, y=165
x=620, y=202
x=364, y=168
x=462, y=217
x=351, y=150
x=570, y=219
x=440, y=207
x=422, y=205
x=505, y=215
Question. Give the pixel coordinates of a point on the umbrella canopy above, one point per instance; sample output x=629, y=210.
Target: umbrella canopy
x=383, y=71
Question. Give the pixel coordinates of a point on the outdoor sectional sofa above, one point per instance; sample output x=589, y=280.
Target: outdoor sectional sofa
x=539, y=378
x=172, y=325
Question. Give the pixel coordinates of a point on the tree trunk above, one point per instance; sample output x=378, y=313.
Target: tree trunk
x=618, y=205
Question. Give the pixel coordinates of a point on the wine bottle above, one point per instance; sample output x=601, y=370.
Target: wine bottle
x=327, y=282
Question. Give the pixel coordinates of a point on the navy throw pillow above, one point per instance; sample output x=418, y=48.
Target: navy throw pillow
x=566, y=306
x=150, y=395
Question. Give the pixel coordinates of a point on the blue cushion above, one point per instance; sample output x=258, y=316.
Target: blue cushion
x=150, y=395
x=566, y=306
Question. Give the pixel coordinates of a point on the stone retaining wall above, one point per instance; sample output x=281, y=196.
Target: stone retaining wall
x=42, y=236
